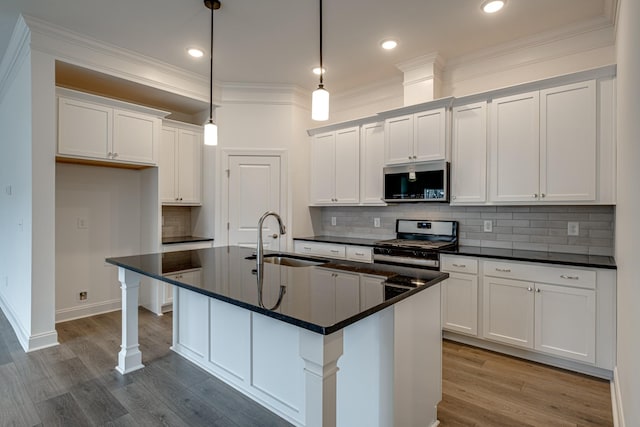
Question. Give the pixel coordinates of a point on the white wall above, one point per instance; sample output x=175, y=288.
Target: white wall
x=109, y=200
x=627, y=211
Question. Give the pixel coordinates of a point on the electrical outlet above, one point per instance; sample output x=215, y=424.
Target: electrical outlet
x=488, y=226
x=376, y=222
x=83, y=295
x=573, y=228
x=83, y=223
x=333, y=220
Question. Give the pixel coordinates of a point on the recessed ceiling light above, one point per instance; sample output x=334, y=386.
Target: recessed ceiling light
x=195, y=52
x=389, y=44
x=492, y=6
x=316, y=71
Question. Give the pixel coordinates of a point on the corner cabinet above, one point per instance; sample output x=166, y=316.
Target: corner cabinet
x=107, y=131
x=469, y=154
x=180, y=164
x=544, y=145
x=335, y=167
x=416, y=137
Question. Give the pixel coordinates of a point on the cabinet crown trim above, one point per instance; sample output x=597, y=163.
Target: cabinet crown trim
x=109, y=102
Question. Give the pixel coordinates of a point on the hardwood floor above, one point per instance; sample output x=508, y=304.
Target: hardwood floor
x=481, y=388
x=75, y=384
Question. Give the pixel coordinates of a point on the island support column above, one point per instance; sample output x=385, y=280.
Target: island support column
x=320, y=354
x=129, y=358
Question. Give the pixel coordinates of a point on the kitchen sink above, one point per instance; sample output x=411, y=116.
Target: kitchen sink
x=290, y=261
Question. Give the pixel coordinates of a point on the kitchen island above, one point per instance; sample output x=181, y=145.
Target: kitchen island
x=319, y=342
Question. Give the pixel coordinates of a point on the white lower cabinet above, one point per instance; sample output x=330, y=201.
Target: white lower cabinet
x=556, y=314
x=334, y=250
x=460, y=295
x=339, y=293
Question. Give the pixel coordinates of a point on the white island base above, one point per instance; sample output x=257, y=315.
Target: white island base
x=384, y=370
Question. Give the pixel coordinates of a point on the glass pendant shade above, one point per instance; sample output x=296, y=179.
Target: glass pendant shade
x=320, y=104
x=210, y=133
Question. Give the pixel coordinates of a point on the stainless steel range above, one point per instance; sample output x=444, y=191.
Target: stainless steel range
x=417, y=243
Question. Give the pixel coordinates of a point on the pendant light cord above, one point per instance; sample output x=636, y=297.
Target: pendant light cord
x=211, y=69
x=321, y=68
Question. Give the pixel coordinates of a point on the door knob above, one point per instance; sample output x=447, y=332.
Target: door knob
x=274, y=235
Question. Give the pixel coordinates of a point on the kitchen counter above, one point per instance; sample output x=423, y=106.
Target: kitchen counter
x=280, y=335
x=228, y=277
x=184, y=239
x=578, y=260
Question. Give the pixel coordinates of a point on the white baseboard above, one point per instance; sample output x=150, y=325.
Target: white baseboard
x=616, y=401
x=86, y=310
x=27, y=342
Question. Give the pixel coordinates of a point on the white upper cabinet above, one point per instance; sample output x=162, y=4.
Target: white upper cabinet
x=96, y=128
x=335, y=167
x=416, y=137
x=180, y=165
x=543, y=145
x=371, y=163
x=469, y=154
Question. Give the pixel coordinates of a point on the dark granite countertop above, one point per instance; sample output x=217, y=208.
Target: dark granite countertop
x=310, y=296
x=341, y=240
x=185, y=239
x=578, y=260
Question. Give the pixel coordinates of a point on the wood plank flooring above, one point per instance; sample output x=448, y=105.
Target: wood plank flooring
x=75, y=384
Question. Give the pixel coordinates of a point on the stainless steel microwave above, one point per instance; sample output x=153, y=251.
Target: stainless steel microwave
x=418, y=182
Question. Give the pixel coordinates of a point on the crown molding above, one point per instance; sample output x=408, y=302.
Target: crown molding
x=17, y=52
x=86, y=52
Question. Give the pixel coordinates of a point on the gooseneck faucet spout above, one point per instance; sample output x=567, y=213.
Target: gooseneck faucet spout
x=259, y=247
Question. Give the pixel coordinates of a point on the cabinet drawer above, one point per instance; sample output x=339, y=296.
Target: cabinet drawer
x=541, y=274
x=320, y=249
x=458, y=264
x=175, y=247
x=359, y=253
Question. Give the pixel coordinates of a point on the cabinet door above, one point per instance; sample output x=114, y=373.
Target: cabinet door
x=469, y=154
x=189, y=167
x=347, y=294
x=371, y=291
x=398, y=140
x=347, y=166
x=508, y=311
x=460, y=303
x=322, y=294
x=429, y=134
x=565, y=322
x=167, y=165
x=322, y=189
x=515, y=148
x=372, y=157
x=84, y=129
x=133, y=137
x=568, y=150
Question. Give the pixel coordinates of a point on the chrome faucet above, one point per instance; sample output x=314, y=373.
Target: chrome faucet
x=259, y=248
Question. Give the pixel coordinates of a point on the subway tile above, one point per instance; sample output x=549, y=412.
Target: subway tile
x=569, y=216
x=481, y=236
x=597, y=225
x=503, y=230
x=531, y=231
x=496, y=244
x=600, y=217
x=598, y=250
x=512, y=237
x=549, y=240
x=496, y=215
x=514, y=209
x=469, y=242
x=530, y=246
x=600, y=234
x=513, y=223
x=573, y=249
x=531, y=215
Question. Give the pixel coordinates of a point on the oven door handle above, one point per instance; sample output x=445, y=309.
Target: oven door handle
x=419, y=262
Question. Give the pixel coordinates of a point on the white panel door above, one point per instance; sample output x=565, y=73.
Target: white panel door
x=565, y=322
x=189, y=166
x=515, y=148
x=508, y=311
x=133, y=137
x=372, y=157
x=568, y=143
x=347, y=166
x=469, y=154
x=167, y=165
x=398, y=140
x=322, y=166
x=254, y=188
x=460, y=303
x=429, y=133
x=84, y=129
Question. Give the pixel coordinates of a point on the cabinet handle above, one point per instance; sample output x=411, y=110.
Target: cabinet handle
x=409, y=157
x=538, y=290
x=359, y=254
x=306, y=248
x=334, y=251
x=109, y=154
x=535, y=196
x=415, y=157
x=454, y=197
x=530, y=289
x=543, y=195
x=459, y=265
x=564, y=276
x=504, y=270
x=115, y=155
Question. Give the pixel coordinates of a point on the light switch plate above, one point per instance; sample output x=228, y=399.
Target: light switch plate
x=376, y=222
x=333, y=220
x=488, y=226
x=573, y=228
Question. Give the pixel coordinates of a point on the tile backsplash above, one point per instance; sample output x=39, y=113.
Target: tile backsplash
x=176, y=221
x=538, y=228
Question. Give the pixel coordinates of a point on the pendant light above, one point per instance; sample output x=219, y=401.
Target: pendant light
x=210, y=128
x=320, y=96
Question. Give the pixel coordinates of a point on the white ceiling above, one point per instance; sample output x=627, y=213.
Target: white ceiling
x=276, y=41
